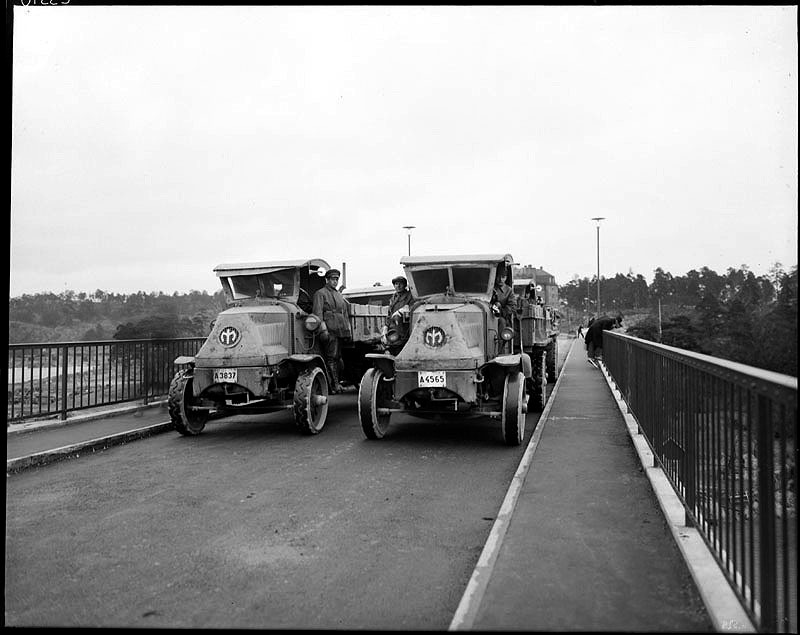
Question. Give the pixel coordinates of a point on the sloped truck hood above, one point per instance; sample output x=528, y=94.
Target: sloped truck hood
x=263, y=338
x=464, y=339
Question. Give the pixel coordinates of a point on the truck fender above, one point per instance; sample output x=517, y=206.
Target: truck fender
x=184, y=359
x=518, y=360
x=527, y=366
x=383, y=362
x=303, y=361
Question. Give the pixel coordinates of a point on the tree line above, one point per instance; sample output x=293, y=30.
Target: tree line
x=71, y=316
x=735, y=315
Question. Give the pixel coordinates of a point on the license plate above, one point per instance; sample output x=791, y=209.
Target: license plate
x=431, y=378
x=224, y=375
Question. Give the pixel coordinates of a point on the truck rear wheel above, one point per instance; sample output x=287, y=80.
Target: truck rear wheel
x=373, y=392
x=513, y=417
x=551, y=360
x=185, y=419
x=538, y=381
x=311, y=400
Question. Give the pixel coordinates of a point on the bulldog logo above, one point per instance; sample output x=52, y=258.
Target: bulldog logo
x=229, y=336
x=434, y=336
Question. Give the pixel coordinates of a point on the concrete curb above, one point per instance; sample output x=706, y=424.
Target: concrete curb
x=74, y=450
x=470, y=603
x=721, y=602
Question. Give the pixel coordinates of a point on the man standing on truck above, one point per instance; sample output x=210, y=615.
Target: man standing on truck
x=334, y=311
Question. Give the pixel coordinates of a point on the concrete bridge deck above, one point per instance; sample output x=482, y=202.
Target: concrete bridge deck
x=586, y=540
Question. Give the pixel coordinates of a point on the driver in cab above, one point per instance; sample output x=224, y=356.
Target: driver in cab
x=502, y=302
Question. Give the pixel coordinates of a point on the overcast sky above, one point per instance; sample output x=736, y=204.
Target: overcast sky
x=152, y=143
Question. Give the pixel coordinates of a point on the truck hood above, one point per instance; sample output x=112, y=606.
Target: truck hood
x=247, y=336
x=445, y=336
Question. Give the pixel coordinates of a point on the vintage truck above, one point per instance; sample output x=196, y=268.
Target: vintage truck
x=263, y=353
x=539, y=328
x=457, y=359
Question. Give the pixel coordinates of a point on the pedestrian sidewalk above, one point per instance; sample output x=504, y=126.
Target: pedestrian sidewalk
x=582, y=542
x=40, y=442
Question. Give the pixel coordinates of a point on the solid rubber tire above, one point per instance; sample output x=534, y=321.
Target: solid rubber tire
x=551, y=360
x=309, y=416
x=538, y=381
x=369, y=392
x=185, y=421
x=513, y=417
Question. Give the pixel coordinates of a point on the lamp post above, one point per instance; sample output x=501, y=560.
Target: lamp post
x=597, y=219
x=409, y=228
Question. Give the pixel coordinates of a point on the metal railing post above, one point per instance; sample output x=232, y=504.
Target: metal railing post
x=64, y=374
x=766, y=514
x=146, y=370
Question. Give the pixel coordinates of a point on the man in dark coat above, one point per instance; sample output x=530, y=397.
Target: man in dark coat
x=334, y=311
x=401, y=297
x=594, y=336
x=503, y=303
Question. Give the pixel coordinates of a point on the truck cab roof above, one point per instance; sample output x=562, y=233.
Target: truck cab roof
x=316, y=265
x=470, y=276
x=268, y=281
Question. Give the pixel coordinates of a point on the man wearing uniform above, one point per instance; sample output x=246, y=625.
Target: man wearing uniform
x=503, y=304
x=401, y=297
x=334, y=311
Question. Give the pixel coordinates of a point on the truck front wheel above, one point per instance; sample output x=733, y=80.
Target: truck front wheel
x=513, y=416
x=373, y=393
x=311, y=400
x=185, y=419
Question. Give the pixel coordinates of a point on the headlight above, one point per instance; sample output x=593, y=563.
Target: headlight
x=393, y=336
x=507, y=334
x=312, y=323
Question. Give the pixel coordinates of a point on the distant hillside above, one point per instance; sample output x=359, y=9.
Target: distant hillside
x=71, y=317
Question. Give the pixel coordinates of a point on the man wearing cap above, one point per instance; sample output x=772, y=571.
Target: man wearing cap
x=401, y=297
x=331, y=307
x=502, y=302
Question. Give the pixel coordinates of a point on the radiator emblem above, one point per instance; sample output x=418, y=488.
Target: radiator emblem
x=434, y=336
x=229, y=336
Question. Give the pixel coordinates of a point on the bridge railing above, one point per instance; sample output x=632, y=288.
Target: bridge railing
x=725, y=436
x=56, y=378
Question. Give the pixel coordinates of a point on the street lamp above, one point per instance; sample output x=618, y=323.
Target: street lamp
x=409, y=228
x=597, y=219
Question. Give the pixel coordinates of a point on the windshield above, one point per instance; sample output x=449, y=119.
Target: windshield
x=470, y=280
x=276, y=284
x=431, y=281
